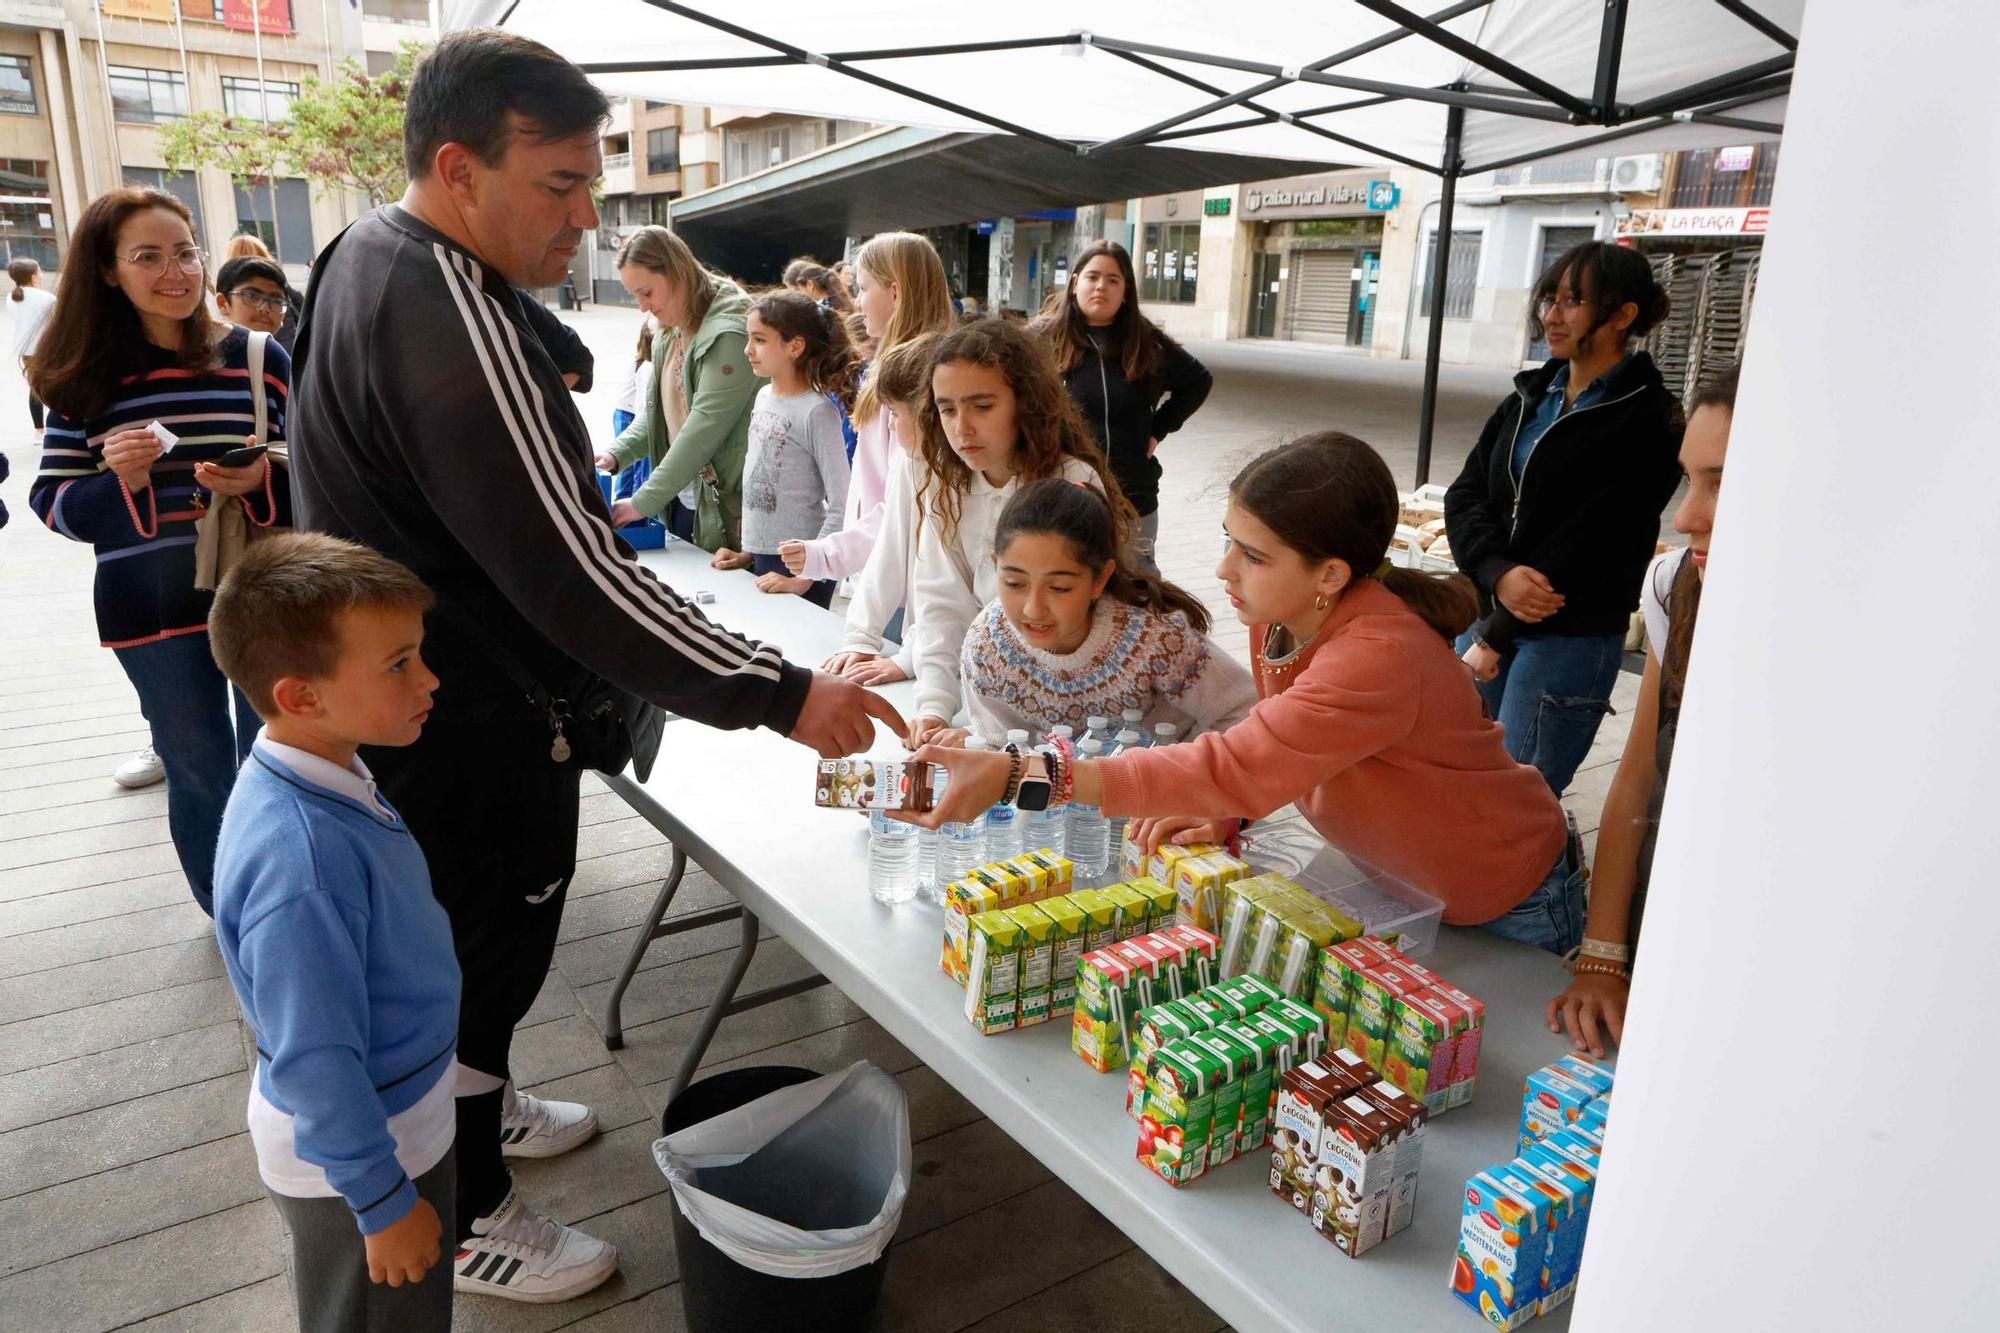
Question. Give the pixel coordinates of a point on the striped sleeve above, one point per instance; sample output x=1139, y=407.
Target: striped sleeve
x=504, y=462
x=74, y=493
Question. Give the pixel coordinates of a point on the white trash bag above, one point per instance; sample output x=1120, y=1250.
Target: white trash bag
x=804, y=1182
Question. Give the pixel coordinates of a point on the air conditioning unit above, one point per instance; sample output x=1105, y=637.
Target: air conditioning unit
x=1637, y=175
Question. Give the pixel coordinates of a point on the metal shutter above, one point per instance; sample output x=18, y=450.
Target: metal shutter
x=1321, y=283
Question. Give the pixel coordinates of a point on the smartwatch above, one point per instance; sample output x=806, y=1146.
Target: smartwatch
x=1034, y=792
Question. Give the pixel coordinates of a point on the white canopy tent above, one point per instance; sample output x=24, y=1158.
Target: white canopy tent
x=1474, y=86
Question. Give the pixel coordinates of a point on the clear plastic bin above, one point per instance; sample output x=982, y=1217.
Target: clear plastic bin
x=1287, y=844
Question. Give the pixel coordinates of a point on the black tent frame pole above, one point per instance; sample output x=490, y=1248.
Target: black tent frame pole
x=1453, y=164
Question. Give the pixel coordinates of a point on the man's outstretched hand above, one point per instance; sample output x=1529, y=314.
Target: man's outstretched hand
x=839, y=717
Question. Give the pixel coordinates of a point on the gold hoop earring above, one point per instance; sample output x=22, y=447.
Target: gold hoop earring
x=1319, y=602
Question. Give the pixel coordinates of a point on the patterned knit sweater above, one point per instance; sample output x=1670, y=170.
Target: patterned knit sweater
x=1132, y=658
x=145, y=543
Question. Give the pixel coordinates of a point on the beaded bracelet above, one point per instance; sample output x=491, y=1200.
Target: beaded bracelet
x=1066, y=770
x=1597, y=968
x=1015, y=769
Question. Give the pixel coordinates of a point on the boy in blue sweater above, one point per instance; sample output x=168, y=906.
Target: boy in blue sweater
x=341, y=958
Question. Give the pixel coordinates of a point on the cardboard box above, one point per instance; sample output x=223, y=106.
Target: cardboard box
x=1412, y=1119
x=1260, y=1086
x=1100, y=918
x=1578, y=1185
x=1133, y=908
x=1550, y=1100
x=1297, y=1125
x=1465, y=1049
x=1424, y=1033
x=1371, y=1011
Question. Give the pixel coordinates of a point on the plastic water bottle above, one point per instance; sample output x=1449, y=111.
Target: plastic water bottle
x=1089, y=833
x=892, y=859
x=1128, y=739
x=1063, y=730
x=1046, y=828
x=1003, y=822
x=1098, y=729
x=961, y=849
x=1131, y=739
x=927, y=861
x=1165, y=733
x=1135, y=720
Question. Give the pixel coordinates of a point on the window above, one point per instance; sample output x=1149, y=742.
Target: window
x=240, y=97
x=181, y=185
x=663, y=151
x=27, y=215
x=147, y=96
x=1463, y=278
x=291, y=240
x=1715, y=178
x=410, y=13
x=17, y=86
x=1167, y=269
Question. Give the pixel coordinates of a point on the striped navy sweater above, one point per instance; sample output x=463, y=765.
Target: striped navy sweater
x=145, y=543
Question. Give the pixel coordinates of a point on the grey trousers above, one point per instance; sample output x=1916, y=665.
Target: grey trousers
x=1149, y=538
x=330, y=1266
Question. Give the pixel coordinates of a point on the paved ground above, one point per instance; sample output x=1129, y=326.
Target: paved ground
x=128, y=1191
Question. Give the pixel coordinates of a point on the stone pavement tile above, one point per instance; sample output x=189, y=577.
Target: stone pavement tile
x=608, y=1172
x=72, y=792
x=14, y=701
x=1047, y=1234
x=600, y=957
x=618, y=870
x=51, y=848
x=150, y=1274
x=955, y=1176
x=74, y=985
x=1585, y=797
x=80, y=1145
x=67, y=1087
x=653, y=1051
x=617, y=835
x=75, y=726
x=658, y=1311
x=623, y=908
x=261, y=1307
x=662, y=992
x=111, y=1206
x=95, y=902
x=643, y=1233
x=65, y=945
x=100, y=1027
x=20, y=716
x=25, y=788
x=553, y=1001
x=104, y=868
x=27, y=760
x=556, y=1049
x=604, y=1090
x=1129, y=1294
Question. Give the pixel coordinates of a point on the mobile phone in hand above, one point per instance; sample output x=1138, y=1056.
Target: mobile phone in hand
x=243, y=457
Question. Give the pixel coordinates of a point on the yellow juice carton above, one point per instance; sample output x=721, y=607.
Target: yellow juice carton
x=1132, y=859
x=1033, y=876
x=1062, y=870
x=1160, y=865
x=1068, y=921
x=1502, y=1244
x=1198, y=881
x=1005, y=879
x=993, y=972
x=963, y=900
x=1038, y=955
x=1100, y=918
x=1159, y=902
x=1236, y=918
x=1133, y=909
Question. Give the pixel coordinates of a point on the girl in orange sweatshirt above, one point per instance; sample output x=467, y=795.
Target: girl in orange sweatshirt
x=1366, y=718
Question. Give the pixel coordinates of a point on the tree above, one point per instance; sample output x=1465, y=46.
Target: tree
x=251, y=151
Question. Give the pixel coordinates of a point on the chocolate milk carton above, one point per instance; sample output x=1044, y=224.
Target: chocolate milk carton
x=1411, y=1118
x=1354, y=1178
x=1304, y=1093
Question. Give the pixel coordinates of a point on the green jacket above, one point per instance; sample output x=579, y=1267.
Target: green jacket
x=720, y=391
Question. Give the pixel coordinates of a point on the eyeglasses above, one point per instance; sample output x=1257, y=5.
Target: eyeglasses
x=256, y=300
x=1569, y=305
x=148, y=259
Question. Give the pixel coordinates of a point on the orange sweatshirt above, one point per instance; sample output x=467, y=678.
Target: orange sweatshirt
x=1375, y=730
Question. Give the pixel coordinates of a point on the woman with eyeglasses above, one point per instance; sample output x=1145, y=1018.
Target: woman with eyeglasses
x=1557, y=511
x=147, y=394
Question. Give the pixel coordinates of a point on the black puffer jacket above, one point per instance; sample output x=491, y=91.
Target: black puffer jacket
x=1124, y=415
x=1587, y=510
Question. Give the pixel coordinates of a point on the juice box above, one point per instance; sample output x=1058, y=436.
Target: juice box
x=1577, y=1185
x=1550, y=1100
x=1371, y=1011
x=1062, y=870
x=1502, y=1242
x=1153, y=974
x=1305, y=1018
x=1304, y=1093
x=1199, y=970
x=1465, y=1049
x=1170, y=969
x=1133, y=908
x=1224, y=1142
x=1159, y=902
x=1032, y=874
x=1576, y=1144
x=1235, y=917
x=1069, y=951
x=873, y=784
x=1340, y=969
x=963, y=900
x=1409, y=1140
x=1525, y=1183
x=1097, y=1026
x=1160, y=865
x=1590, y=1073
x=1197, y=883
x=1180, y=1111
x=1246, y=994
x=1153, y=1028
x=1594, y=1115
x=1355, y=1176
x=996, y=876
x=1038, y=951
x=993, y=972
x=1259, y=1081
x=1424, y=1034
x=1100, y=918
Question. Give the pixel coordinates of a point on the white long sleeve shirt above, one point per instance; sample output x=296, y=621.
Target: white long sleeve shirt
x=954, y=579
x=845, y=552
x=884, y=582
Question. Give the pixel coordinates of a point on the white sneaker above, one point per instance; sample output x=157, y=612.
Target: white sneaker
x=531, y=1127
x=141, y=770
x=519, y=1255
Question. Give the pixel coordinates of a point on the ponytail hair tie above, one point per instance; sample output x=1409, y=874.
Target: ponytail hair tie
x=1382, y=570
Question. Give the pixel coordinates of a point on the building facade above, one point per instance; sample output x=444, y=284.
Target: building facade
x=84, y=89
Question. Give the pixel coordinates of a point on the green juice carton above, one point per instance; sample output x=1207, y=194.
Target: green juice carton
x=1303, y=1017
x=1105, y=979
x=1069, y=939
x=1153, y=1028
x=1259, y=1082
x=1180, y=1111
x=1133, y=910
x=1502, y=1243
x=993, y=972
x=1038, y=956
x=1225, y=1139
x=1341, y=967
x=1246, y=994
x=1100, y=918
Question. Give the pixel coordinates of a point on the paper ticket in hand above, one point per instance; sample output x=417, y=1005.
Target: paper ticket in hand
x=166, y=437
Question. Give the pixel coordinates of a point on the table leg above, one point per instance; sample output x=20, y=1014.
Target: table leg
x=614, y=1029
x=718, y=1008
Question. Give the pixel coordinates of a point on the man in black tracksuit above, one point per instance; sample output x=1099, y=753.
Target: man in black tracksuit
x=434, y=424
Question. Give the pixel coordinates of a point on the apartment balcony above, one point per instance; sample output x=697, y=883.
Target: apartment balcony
x=619, y=177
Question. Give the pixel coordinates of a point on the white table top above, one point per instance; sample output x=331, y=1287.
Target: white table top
x=1246, y=1253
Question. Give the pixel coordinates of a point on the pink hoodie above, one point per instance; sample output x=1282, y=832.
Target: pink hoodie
x=842, y=553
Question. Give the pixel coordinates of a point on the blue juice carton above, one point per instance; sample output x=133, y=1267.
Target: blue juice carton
x=1578, y=1185
x=1592, y=1074
x=1577, y=1144
x=1595, y=1114
x=1502, y=1247
x=1550, y=1100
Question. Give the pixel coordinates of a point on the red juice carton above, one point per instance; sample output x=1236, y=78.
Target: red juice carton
x=1372, y=1009
x=1502, y=1239
x=1421, y=1040
x=1200, y=969
x=1578, y=1185
x=1158, y=970
x=1411, y=1118
x=1104, y=981
x=1341, y=968
x=1550, y=1100
x=1465, y=1048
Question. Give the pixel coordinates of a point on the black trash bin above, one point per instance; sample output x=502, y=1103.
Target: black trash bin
x=719, y=1295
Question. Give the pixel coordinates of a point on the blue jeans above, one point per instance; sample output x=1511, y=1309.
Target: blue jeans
x=1551, y=694
x=1552, y=916
x=186, y=700
x=821, y=592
